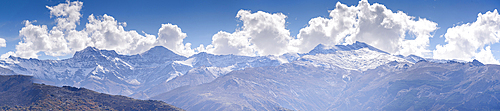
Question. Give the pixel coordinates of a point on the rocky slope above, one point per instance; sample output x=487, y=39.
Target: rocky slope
x=341, y=77
x=18, y=92
x=349, y=77
x=131, y=75
x=392, y=86
x=265, y=88
x=308, y=83
x=424, y=86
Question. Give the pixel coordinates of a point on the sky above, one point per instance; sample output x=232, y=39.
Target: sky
x=441, y=29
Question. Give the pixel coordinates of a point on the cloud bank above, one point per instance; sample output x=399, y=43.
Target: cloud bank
x=261, y=34
x=264, y=33
x=472, y=40
x=372, y=24
x=103, y=32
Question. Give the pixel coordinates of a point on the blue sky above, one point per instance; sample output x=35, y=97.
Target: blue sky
x=200, y=20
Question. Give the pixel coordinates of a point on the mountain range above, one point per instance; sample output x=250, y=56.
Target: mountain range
x=130, y=75
x=341, y=77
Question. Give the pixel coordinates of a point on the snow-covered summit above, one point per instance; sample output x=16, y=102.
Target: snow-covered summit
x=92, y=54
x=323, y=49
x=107, y=71
x=358, y=56
x=412, y=58
x=161, y=52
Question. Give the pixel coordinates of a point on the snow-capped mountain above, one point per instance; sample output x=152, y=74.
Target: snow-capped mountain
x=358, y=56
x=348, y=77
x=205, y=68
x=103, y=70
x=345, y=77
x=395, y=85
x=322, y=49
x=341, y=77
x=108, y=72
x=160, y=70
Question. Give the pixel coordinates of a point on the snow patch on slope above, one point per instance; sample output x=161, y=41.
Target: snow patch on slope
x=285, y=58
x=133, y=81
x=219, y=71
x=187, y=62
x=360, y=60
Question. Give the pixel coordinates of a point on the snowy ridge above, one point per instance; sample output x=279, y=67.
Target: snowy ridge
x=108, y=72
x=415, y=59
x=134, y=75
x=358, y=56
x=360, y=60
x=322, y=49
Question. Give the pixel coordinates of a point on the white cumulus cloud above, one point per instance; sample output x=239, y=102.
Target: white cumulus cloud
x=261, y=34
x=372, y=24
x=171, y=36
x=471, y=40
x=485, y=56
x=3, y=42
x=103, y=32
x=266, y=34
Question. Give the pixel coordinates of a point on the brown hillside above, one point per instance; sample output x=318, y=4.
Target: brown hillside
x=18, y=92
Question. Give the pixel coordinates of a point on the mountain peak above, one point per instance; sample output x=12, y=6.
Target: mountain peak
x=201, y=54
x=476, y=63
x=358, y=45
x=158, y=50
x=92, y=53
x=161, y=52
x=88, y=50
x=323, y=49
x=411, y=58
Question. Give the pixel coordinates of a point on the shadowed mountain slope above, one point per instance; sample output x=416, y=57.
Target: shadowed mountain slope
x=265, y=88
x=131, y=75
x=392, y=86
x=17, y=92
